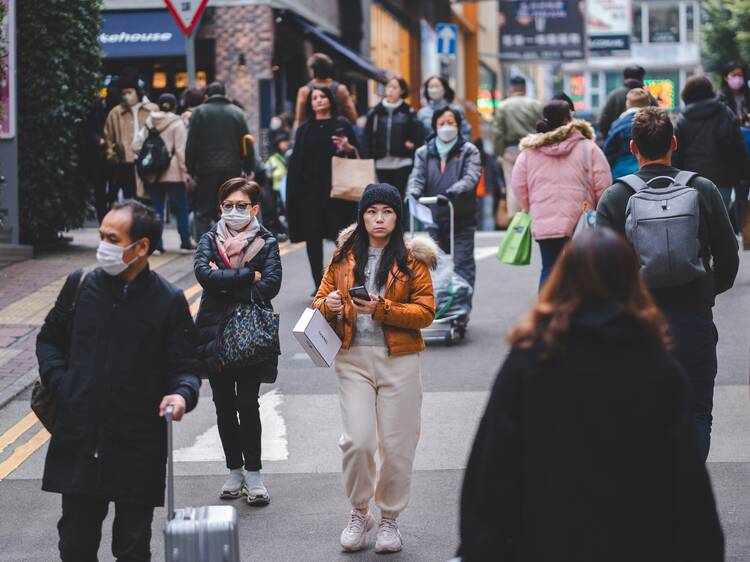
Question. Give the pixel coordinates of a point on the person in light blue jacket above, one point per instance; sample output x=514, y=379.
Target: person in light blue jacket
x=617, y=145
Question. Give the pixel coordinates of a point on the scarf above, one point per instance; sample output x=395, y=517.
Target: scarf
x=391, y=106
x=444, y=148
x=238, y=248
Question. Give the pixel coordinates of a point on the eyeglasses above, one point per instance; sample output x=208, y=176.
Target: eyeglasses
x=239, y=206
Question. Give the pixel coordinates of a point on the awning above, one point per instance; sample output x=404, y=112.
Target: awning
x=141, y=34
x=361, y=63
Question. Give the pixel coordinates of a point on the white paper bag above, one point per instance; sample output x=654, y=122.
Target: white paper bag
x=317, y=337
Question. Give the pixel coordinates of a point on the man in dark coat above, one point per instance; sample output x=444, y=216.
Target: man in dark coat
x=615, y=104
x=116, y=361
x=214, y=151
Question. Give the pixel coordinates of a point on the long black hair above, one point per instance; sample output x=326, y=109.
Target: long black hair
x=395, y=252
x=329, y=94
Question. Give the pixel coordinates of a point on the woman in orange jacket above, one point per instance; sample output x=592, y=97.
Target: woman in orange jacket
x=378, y=367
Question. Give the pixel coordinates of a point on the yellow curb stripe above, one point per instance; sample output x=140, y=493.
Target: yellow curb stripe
x=290, y=248
x=17, y=430
x=192, y=291
x=23, y=452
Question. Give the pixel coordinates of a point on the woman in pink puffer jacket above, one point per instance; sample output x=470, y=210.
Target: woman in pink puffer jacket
x=550, y=178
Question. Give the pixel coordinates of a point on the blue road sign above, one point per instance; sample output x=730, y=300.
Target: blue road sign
x=447, y=36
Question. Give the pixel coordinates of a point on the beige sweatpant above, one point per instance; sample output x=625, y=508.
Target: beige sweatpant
x=381, y=402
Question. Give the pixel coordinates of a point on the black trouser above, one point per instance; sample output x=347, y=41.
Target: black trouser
x=397, y=178
x=314, y=246
x=80, y=529
x=123, y=177
x=695, y=340
x=100, y=176
x=207, y=200
x=236, y=392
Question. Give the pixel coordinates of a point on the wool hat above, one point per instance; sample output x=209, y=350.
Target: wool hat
x=380, y=193
x=168, y=102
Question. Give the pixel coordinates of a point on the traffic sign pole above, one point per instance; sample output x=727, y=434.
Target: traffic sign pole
x=190, y=55
x=187, y=14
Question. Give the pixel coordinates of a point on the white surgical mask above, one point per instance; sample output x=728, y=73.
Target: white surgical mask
x=236, y=219
x=436, y=93
x=110, y=256
x=130, y=98
x=447, y=133
x=735, y=82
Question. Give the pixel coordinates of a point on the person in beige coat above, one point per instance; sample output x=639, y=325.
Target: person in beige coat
x=172, y=182
x=122, y=125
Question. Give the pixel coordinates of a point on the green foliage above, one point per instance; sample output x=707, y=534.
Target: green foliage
x=59, y=62
x=719, y=35
x=740, y=21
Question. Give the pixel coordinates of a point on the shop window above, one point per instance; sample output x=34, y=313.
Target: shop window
x=613, y=80
x=159, y=80
x=637, y=32
x=577, y=87
x=664, y=23
x=691, y=24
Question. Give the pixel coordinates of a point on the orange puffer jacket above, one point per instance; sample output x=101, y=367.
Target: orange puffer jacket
x=408, y=304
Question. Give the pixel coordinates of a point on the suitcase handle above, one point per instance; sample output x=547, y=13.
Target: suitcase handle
x=168, y=413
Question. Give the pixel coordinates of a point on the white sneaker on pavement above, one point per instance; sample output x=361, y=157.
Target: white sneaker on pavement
x=232, y=488
x=354, y=536
x=257, y=493
x=389, y=537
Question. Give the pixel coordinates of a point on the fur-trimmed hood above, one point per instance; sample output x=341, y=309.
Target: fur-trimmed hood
x=561, y=140
x=423, y=248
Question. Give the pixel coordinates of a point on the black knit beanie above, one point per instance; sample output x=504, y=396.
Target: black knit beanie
x=380, y=193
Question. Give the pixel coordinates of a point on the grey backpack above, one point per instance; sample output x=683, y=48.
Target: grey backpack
x=663, y=226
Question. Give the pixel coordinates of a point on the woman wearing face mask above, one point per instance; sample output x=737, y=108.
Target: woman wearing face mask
x=312, y=215
x=391, y=134
x=735, y=92
x=449, y=165
x=237, y=262
x=378, y=367
x=438, y=95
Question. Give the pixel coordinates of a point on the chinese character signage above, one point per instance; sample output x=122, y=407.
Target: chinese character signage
x=541, y=30
x=608, y=23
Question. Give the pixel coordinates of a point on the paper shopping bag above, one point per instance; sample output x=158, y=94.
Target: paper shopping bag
x=350, y=176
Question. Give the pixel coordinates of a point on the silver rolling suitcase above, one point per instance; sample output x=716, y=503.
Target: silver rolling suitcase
x=198, y=534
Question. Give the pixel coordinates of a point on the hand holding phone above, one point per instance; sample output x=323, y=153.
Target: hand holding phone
x=359, y=293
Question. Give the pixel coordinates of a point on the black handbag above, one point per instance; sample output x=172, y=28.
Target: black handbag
x=44, y=399
x=249, y=336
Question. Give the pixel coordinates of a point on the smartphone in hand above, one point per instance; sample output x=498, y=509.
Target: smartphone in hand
x=359, y=293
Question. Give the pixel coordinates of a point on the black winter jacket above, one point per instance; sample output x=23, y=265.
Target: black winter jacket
x=214, y=140
x=224, y=288
x=590, y=456
x=386, y=133
x=709, y=142
x=130, y=346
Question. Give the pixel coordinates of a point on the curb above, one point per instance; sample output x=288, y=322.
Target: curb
x=9, y=393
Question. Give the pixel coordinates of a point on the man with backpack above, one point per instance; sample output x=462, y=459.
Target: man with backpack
x=680, y=229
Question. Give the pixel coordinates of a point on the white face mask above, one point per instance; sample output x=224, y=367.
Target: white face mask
x=110, y=256
x=447, y=133
x=436, y=93
x=236, y=219
x=130, y=98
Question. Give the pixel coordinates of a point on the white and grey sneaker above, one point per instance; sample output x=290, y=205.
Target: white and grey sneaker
x=235, y=482
x=389, y=537
x=256, y=491
x=354, y=536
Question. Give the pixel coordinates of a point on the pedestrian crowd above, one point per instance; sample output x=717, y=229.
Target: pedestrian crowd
x=595, y=437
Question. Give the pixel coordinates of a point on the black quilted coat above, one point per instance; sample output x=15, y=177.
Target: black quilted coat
x=224, y=288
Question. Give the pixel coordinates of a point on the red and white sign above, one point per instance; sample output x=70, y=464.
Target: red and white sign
x=186, y=13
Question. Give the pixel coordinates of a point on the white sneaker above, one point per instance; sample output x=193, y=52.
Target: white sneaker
x=354, y=537
x=232, y=488
x=389, y=537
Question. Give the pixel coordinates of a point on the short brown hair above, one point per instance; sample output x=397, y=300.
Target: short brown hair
x=401, y=84
x=637, y=97
x=320, y=65
x=697, y=88
x=652, y=132
x=243, y=185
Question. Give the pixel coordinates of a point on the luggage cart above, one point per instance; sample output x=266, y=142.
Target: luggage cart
x=451, y=327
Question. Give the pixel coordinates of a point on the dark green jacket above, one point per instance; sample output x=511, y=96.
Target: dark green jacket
x=719, y=245
x=215, y=137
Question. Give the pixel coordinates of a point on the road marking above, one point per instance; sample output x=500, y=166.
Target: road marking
x=484, y=252
x=23, y=452
x=207, y=446
x=194, y=307
x=23, y=425
x=290, y=248
x=192, y=291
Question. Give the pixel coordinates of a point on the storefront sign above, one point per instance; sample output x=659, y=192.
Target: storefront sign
x=608, y=23
x=138, y=34
x=663, y=91
x=541, y=30
x=8, y=86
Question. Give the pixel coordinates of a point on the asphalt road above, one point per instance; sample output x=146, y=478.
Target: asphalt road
x=301, y=428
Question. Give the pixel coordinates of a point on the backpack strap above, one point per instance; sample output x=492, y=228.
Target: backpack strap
x=683, y=177
x=633, y=182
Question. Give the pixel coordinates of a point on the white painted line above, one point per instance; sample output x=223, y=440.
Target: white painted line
x=207, y=446
x=484, y=252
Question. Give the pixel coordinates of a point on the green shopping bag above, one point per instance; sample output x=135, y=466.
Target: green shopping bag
x=515, y=248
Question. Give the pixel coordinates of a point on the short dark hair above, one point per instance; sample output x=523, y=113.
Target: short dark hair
x=652, y=132
x=320, y=65
x=517, y=82
x=697, y=88
x=634, y=72
x=403, y=84
x=193, y=96
x=450, y=95
x=216, y=88
x=447, y=109
x=243, y=185
x=145, y=223
x=331, y=98
x=729, y=67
